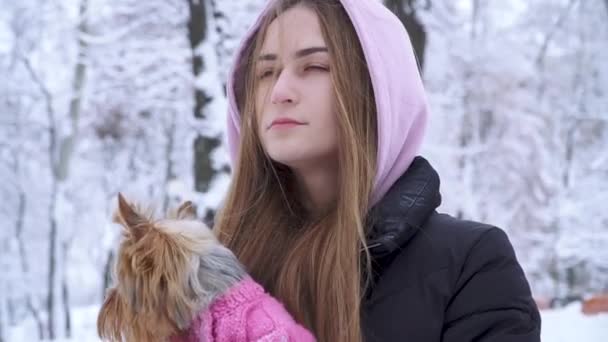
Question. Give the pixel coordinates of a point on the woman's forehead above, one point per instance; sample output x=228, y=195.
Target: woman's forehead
x=295, y=29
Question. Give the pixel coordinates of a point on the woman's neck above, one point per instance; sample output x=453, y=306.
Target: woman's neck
x=318, y=187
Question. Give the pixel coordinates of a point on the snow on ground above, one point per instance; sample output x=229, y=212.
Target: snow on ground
x=560, y=325
x=84, y=322
x=568, y=324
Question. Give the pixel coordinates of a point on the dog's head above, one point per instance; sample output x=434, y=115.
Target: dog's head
x=158, y=288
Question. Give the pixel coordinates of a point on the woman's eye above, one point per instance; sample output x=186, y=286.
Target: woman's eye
x=316, y=68
x=265, y=74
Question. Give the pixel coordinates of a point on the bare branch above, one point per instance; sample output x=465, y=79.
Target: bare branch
x=553, y=30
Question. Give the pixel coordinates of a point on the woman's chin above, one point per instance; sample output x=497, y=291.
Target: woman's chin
x=291, y=159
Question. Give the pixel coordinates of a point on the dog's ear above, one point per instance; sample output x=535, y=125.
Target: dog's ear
x=130, y=218
x=186, y=211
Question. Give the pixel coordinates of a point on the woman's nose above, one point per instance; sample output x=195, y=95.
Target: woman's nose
x=283, y=90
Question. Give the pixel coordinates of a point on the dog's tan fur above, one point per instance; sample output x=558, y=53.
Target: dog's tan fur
x=166, y=272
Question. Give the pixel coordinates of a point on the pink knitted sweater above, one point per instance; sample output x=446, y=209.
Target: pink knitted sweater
x=245, y=313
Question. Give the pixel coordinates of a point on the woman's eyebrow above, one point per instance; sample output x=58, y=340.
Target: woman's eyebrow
x=299, y=54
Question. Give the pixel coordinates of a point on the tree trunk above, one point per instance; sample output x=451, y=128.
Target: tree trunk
x=405, y=10
x=25, y=270
x=107, y=274
x=51, y=283
x=197, y=32
x=3, y=313
x=169, y=145
x=468, y=127
x=37, y=317
x=53, y=175
x=65, y=293
x=57, y=276
x=203, y=165
x=203, y=145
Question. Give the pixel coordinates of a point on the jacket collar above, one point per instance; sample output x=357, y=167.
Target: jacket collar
x=402, y=212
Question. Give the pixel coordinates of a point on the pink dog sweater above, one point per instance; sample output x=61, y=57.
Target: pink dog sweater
x=245, y=313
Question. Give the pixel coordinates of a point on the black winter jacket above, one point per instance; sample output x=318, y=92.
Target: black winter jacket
x=438, y=278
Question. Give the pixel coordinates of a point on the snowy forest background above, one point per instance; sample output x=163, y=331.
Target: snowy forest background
x=101, y=96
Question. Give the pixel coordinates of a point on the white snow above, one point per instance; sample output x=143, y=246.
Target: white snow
x=568, y=324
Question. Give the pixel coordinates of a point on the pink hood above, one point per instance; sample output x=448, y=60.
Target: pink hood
x=400, y=97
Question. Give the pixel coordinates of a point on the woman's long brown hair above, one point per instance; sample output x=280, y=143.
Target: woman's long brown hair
x=314, y=266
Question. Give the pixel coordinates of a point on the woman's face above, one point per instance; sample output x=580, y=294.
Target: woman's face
x=294, y=96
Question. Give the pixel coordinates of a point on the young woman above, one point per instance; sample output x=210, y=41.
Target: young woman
x=330, y=209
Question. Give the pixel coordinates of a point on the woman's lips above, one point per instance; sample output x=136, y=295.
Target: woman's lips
x=285, y=123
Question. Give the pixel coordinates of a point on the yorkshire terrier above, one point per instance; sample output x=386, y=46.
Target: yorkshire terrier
x=176, y=282
x=167, y=272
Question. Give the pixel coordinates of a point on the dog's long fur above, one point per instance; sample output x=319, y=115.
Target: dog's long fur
x=166, y=272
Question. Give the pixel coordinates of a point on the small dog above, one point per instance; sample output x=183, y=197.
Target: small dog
x=167, y=272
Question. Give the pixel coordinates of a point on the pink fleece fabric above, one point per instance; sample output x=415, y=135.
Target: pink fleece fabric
x=400, y=97
x=245, y=313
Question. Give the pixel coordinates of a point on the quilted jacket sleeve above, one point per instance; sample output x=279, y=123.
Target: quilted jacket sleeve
x=492, y=301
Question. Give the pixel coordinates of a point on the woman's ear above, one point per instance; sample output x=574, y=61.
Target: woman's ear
x=186, y=211
x=130, y=218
